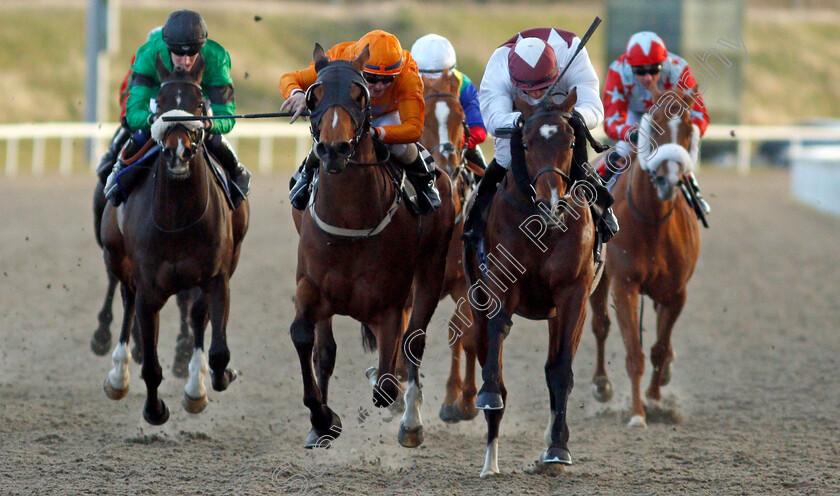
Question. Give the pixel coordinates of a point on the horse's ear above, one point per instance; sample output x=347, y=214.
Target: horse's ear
x=523, y=107
x=319, y=57
x=362, y=59
x=162, y=72
x=569, y=102
x=197, y=70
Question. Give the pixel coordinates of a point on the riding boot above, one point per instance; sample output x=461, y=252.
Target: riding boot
x=239, y=175
x=704, y=205
x=299, y=185
x=122, y=178
x=109, y=158
x=475, y=156
x=428, y=197
x=606, y=223
x=476, y=221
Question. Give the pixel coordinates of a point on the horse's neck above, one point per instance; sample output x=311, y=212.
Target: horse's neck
x=357, y=195
x=177, y=203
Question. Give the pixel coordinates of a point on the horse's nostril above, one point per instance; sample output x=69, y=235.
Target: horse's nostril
x=344, y=148
x=321, y=150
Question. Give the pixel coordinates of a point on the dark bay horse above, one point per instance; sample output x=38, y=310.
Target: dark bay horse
x=173, y=233
x=100, y=342
x=656, y=251
x=443, y=136
x=361, y=252
x=539, y=243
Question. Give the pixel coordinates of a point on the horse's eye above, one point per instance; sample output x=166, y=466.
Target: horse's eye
x=571, y=145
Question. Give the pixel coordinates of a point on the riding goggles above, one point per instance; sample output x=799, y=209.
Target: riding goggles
x=377, y=78
x=643, y=70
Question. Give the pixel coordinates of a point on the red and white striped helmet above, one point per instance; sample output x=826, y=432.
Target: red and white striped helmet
x=532, y=64
x=645, y=48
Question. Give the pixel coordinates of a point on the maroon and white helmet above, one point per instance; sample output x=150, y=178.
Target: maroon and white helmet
x=645, y=48
x=532, y=64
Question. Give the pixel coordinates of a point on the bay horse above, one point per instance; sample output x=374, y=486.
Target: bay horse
x=656, y=251
x=175, y=232
x=100, y=342
x=539, y=264
x=443, y=136
x=361, y=252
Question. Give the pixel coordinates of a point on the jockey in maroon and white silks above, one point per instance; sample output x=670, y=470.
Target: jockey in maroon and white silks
x=627, y=99
x=498, y=89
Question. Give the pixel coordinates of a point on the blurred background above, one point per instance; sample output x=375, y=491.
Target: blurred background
x=766, y=63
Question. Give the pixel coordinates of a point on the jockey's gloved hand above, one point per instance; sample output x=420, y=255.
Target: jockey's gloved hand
x=295, y=103
x=519, y=123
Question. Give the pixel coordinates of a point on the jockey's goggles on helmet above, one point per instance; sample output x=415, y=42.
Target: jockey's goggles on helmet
x=644, y=70
x=378, y=78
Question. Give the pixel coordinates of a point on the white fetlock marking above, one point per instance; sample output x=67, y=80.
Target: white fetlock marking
x=373, y=375
x=491, y=459
x=413, y=399
x=118, y=377
x=637, y=421
x=547, y=436
x=198, y=370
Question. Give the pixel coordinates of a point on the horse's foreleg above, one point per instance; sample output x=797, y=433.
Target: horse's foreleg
x=601, y=387
x=116, y=384
x=489, y=397
x=218, y=300
x=565, y=330
x=626, y=297
x=184, y=344
x=326, y=426
x=100, y=343
x=388, y=328
x=324, y=356
x=662, y=354
x=154, y=411
x=195, y=393
x=459, y=403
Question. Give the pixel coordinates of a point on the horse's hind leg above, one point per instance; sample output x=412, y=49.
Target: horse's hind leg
x=116, y=384
x=100, y=343
x=626, y=297
x=601, y=387
x=154, y=411
x=219, y=304
x=184, y=344
x=662, y=354
x=459, y=403
x=195, y=394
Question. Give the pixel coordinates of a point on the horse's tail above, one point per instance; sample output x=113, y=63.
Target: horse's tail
x=368, y=339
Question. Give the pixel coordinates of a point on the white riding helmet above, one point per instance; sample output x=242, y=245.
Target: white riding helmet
x=433, y=53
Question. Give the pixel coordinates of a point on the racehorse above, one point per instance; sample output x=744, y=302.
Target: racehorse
x=539, y=263
x=443, y=136
x=100, y=342
x=361, y=252
x=174, y=232
x=656, y=251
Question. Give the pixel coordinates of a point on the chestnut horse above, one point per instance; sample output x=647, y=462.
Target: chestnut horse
x=540, y=238
x=443, y=136
x=100, y=342
x=656, y=251
x=174, y=232
x=360, y=253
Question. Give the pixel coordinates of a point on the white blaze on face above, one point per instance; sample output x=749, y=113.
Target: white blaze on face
x=335, y=120
x=181, y=148
x=673, y=167
x=442, y=116
x=548, y=130
x=178, y=99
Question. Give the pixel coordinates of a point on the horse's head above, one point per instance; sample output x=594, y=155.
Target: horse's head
x=666, y=142
x=548, y=140
x=443, y=133
x=180, y=94
x=339, y=103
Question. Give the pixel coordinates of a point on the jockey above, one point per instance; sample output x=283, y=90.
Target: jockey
x=645, y=64
x=183, y=37
x=109, y=158
x=397, y=110
x=435, y=55
x=525, y=66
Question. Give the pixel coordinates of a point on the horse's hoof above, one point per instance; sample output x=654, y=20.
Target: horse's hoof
x=637, y=421
x=489, y=473
x=222, y=381
x=113, y=393
x=194, y=405
x=556, y=455
x=156, y=418
x=602, y=388
x=489, y=401
x=100, y=346
x=449, y=413
x=410, y=438
x=323, y=438
x=667, y=371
